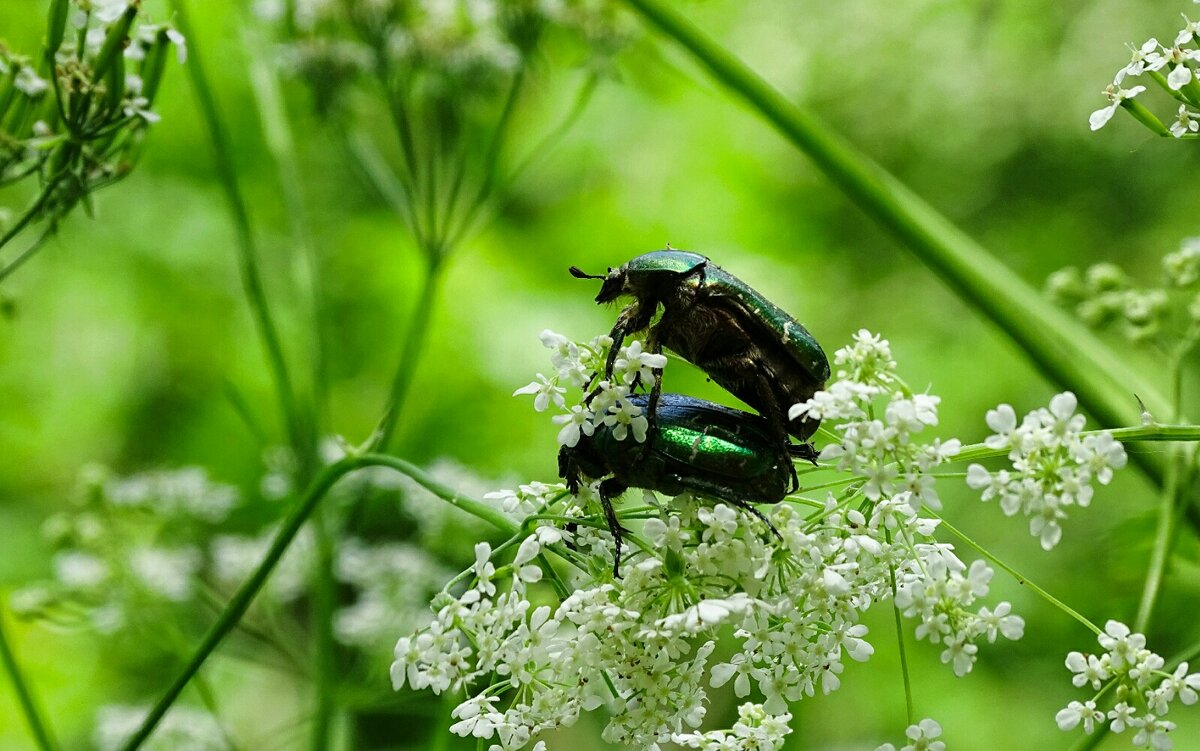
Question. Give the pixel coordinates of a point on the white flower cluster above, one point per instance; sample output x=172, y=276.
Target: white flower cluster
x=182, y=729
x=921, y=737
x=577, y=366
x=235, y=557
x=132, y=541
x=463, y=45
x=1143, y=693
x=184, y=491
x=940, y=597
x=392, y=582
x=1154, y=59
x=1053, y=464
x=644, y=646
x=883, y=451
x=755, y=729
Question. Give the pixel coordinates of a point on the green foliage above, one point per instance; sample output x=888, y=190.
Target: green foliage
x=128, y=341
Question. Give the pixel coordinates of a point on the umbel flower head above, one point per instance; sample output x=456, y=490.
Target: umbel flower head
x=1142, y=687
x=1171, y=67
x=73, y=119
x=644, y=647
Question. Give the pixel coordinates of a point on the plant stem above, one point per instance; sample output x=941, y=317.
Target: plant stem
x=28, y=253
x=247, y=251
x=1059, y=346
x=322, y=611
x=290, y=527
x=414, y=340
x=29, y=706
x=1021, y=579
x=281, y=144
x=908, y=696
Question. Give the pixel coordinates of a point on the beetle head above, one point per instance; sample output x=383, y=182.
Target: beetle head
x=614, y=282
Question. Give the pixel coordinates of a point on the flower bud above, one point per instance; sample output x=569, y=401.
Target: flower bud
x=56, y=27
x=115, y=42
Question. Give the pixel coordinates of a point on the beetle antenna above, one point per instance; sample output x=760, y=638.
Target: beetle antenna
x=580, y=274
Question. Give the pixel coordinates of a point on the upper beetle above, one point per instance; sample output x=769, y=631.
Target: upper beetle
x=694, y=445
x=742, y=340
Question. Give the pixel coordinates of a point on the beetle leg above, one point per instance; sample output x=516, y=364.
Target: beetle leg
x=609, y=489
x=805, y=451
x=623, y=326
x=773, y=411
x=745, y=506
x=567, y=470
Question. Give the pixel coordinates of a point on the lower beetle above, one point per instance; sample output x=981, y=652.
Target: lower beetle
x=694, y=445
x=723, y=326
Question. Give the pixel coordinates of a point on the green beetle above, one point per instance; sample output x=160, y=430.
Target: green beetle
x=742, y=340
x=694, y=445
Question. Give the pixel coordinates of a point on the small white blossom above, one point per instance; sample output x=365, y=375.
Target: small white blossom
x=1115, y=95
x=921, y=737
x=1184, y=123
x=1053, y=464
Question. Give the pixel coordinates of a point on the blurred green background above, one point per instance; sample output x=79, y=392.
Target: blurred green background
x=127, y=326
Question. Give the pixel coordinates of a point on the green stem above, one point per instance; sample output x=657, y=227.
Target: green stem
x=1139, y=434
x=418, y=331
x=28, y=253
x=288, y=530
x=908, y=694
x=474, y=216
x=277, y=134
x=247, y=251
x=1021, y=579
x=29, y=706
x=1163, y=536
x=1059, y=346
x=323, y=608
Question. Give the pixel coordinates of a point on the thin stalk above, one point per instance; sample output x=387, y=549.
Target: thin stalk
x=28, y=253
x=908, y=694
x=30, y=214
x=281, y=144
x=248, y=264
x=1060, y=347
x=29, y=705
x=1020, y=578
x=288, y=530
x=381, y=177
x=491, y=159
x=1164, y=534
x=323, y=606
x=1172, y=496
x=474, y=216
x=414, y=340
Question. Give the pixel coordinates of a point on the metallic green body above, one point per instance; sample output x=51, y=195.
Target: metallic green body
x=715, y=282
x=695, y=446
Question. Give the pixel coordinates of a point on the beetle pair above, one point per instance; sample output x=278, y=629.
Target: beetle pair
x=746, y=344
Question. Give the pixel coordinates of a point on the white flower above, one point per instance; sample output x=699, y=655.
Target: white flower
x=546, y=390
x=1145, y=58
x=1076, y=712
x=635, y=366
x=625, y=417
x=166, y=572
x=107, y=11
x=1115, y=95
x=578, y=420
x=1184, y=123
x=29, y=83
x=922, y=737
